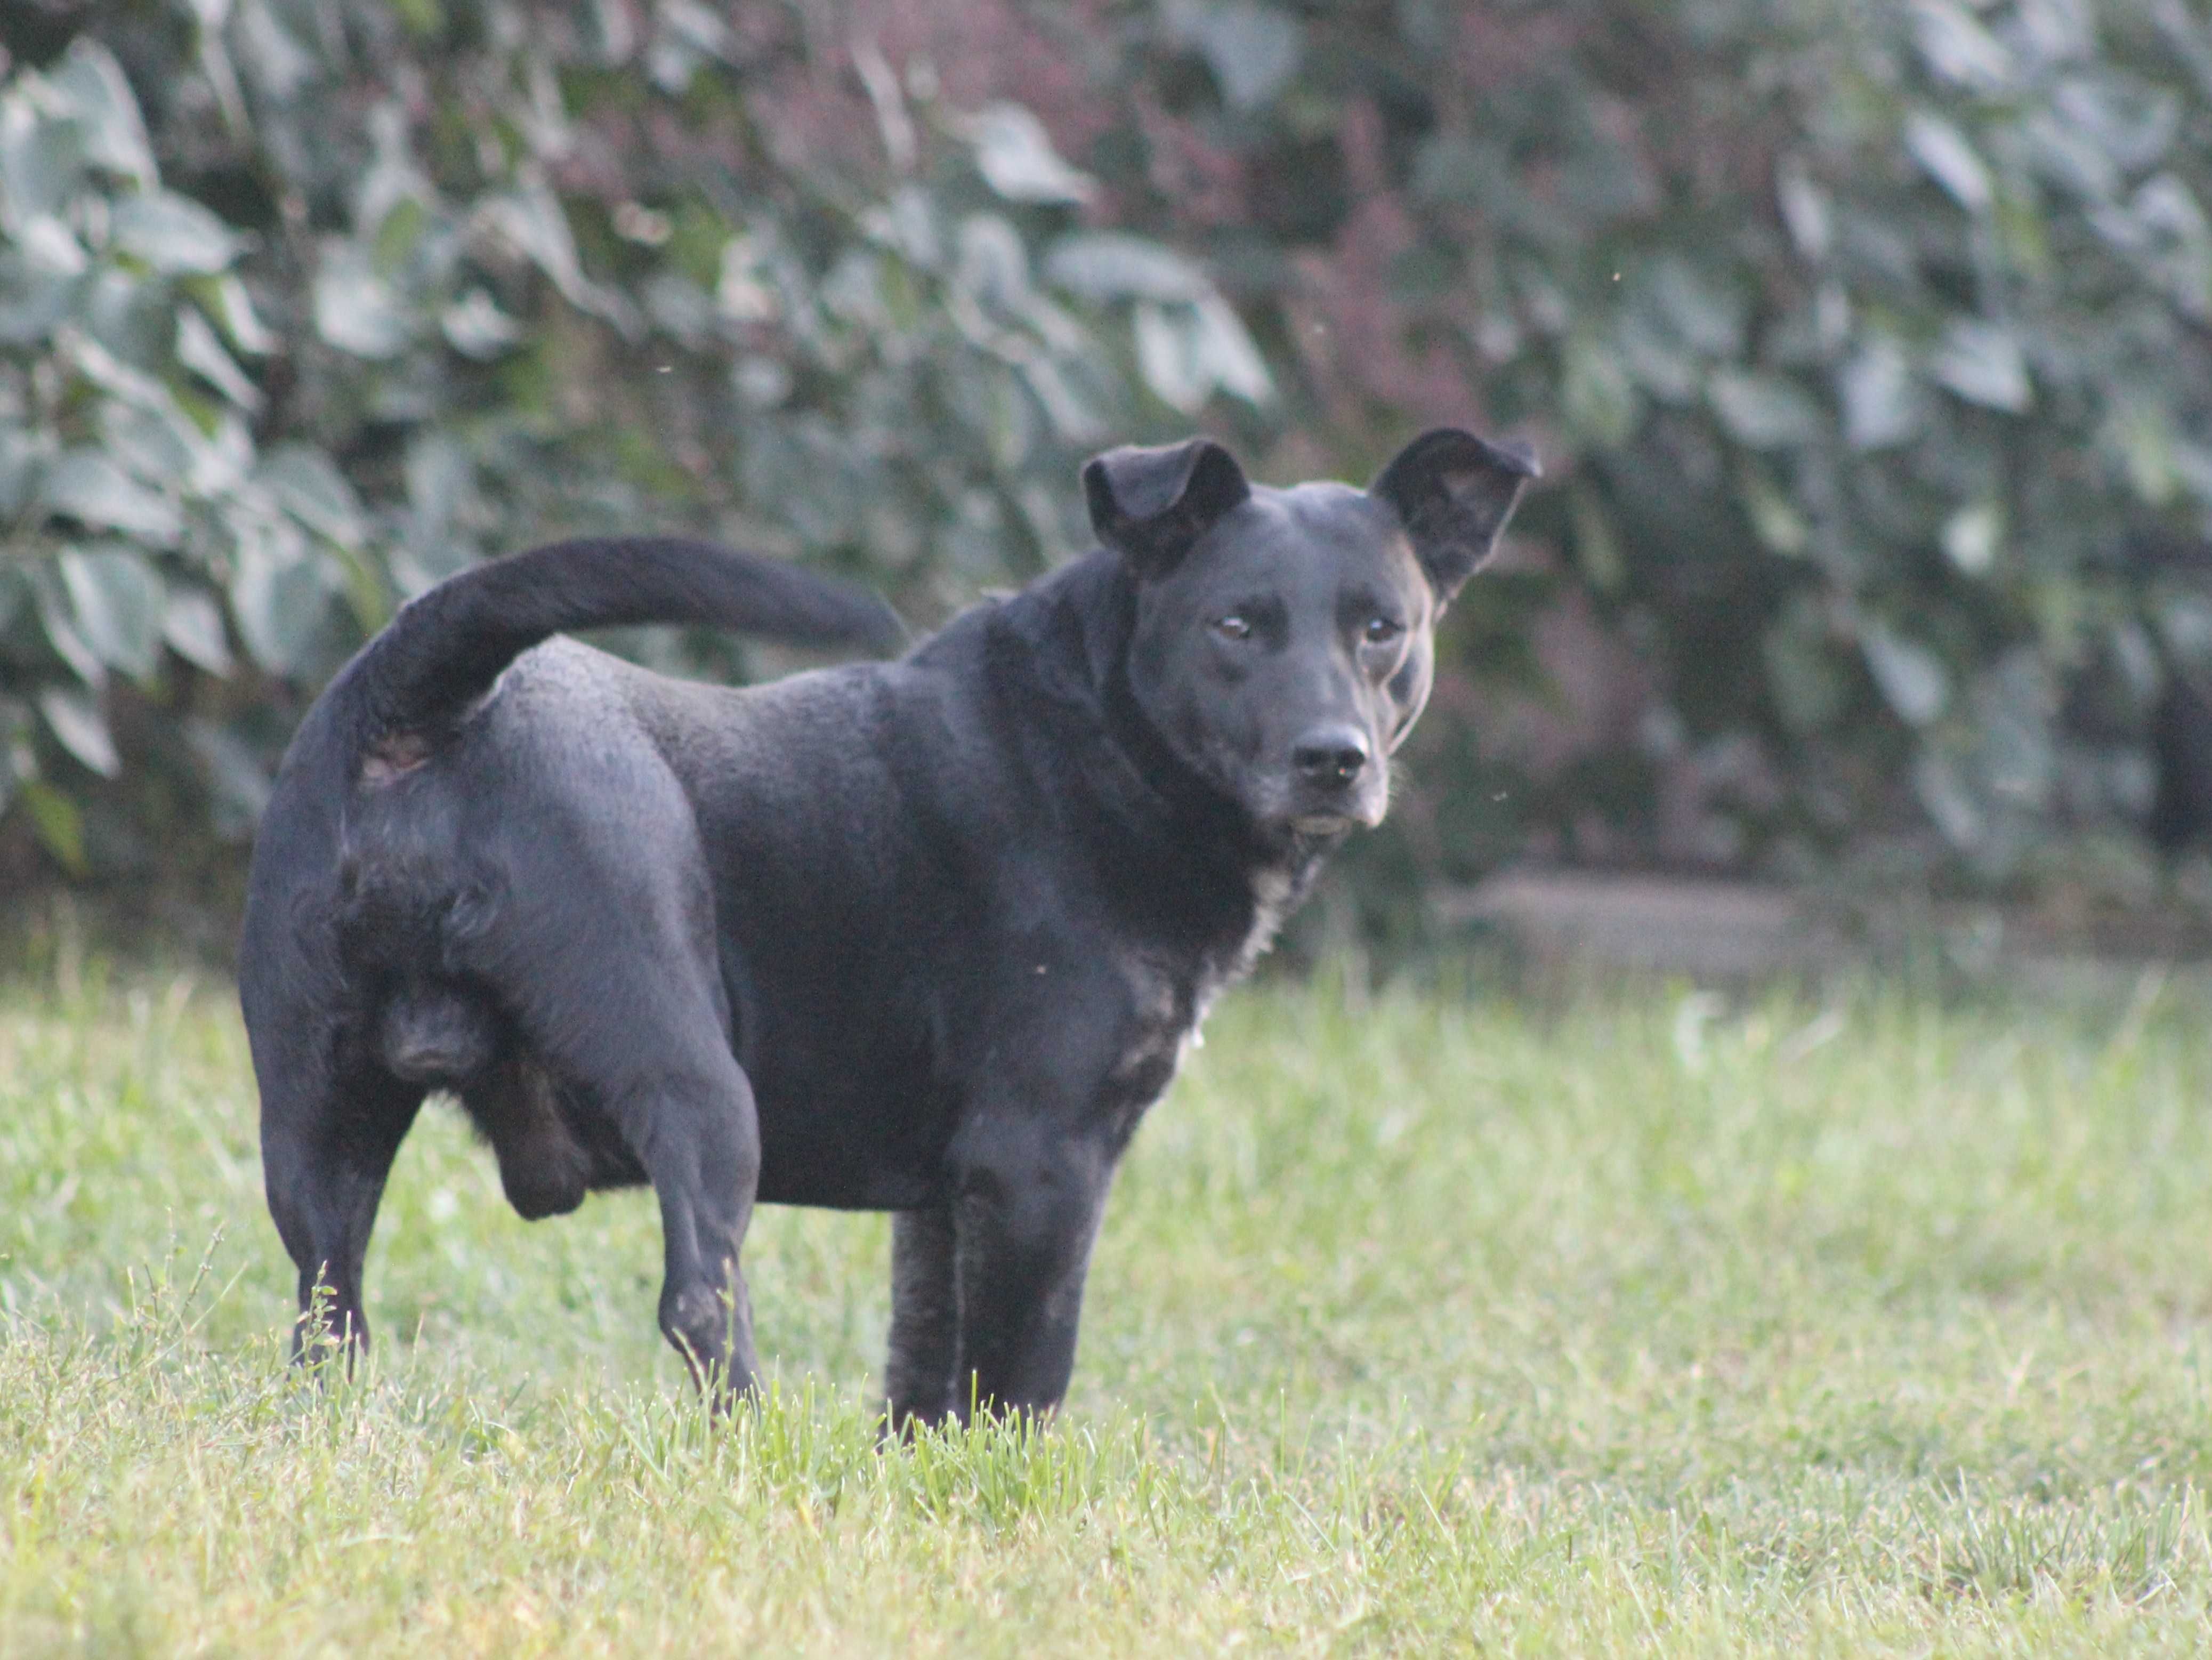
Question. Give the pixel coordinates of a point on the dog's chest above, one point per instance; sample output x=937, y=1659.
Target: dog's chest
x=1164, y=1011
x=1167, y=1002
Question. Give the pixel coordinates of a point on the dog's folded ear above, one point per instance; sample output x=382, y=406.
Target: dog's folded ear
x=1454, y=492
x=1151, y=505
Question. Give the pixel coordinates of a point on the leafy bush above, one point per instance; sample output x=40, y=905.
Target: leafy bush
x=482, y=279
x=1866, y=345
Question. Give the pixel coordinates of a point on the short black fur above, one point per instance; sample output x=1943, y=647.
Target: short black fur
x=924, y=936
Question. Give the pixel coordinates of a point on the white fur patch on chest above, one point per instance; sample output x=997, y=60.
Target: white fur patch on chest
x=1273, y=893
x=1168, y=1010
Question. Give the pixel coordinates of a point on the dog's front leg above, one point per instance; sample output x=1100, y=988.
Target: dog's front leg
x=1030, y=1195
x=925, y=1340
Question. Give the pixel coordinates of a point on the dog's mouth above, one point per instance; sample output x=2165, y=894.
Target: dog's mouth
x=1317, y=820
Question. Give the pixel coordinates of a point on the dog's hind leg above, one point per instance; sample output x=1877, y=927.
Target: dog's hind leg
x=695, y=1130
x=324, y=1157
x=925, y=1340
x=661, y=1067
x=603, y=958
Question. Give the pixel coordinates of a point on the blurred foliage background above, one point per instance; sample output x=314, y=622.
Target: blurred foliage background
x=1865, y=343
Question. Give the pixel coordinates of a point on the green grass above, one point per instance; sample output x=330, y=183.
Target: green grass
x=1629, y=1323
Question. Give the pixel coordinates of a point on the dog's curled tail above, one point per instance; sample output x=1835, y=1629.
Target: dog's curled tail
x=446, y=647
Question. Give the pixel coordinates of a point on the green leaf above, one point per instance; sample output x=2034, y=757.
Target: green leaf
x=368, y=593
x=1983, y=363
x=1949, y=160
x=1805, y=210
x=1252, y=49
x=993, y=271
x=2184, y=624
x=1803, y=675
x=1763, y=412
x=425, y=19
x=117, y=601
x=1186, y=353
x=153, y=445
x=41, y=159
x=1972, y=535
x=1103, y=265
x=1014, y=154
x=235, y=776
x=2173, y=242
x=1595, y=394
x=1912, y=678
x=399, y=235
x=58, y=824
x=274, y=59
x=1958, y=49
x=199, y=350
x=2132, y=121
x=233, y=308
x=21, y=451
x=1704, y=313
x=475, y=326
x=2139, y=433
x=32, y=298
x=1773, y=518
x=356, y=309
x=1229, y=354
x=2069, y=157
x=1651, y=352
x=1597, y=548
x=114, y=131
x=174, y=234
x=280, y=594
x=1167, y=357
x=1072, y=408
x=534, y=221
x=132, y=385
x=58, y=624
x=1949, y=799
x=87, y=485
x=1881, y=406
x=309, y=485
x=192, y=622
x=2015, y=754
x=440, y=477
x=79, y=726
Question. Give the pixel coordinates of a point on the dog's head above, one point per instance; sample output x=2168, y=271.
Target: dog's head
x=1283, y=643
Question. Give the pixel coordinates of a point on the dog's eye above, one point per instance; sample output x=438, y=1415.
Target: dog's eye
x=1231, y=627
x=1381, y=630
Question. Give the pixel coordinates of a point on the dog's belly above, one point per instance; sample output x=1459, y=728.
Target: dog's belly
x=843, y=1162
x=835, y=1040
x=857, y=1127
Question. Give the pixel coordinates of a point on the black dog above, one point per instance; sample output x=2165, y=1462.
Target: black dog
x=924, y=936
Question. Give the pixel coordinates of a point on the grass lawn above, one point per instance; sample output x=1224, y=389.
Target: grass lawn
x=1626, y=1322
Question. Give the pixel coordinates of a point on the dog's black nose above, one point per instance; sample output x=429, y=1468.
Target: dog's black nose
x=1330, y=755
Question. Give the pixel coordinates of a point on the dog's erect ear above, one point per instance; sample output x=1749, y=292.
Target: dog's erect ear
x=1150, y=505
x=1454, y=492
